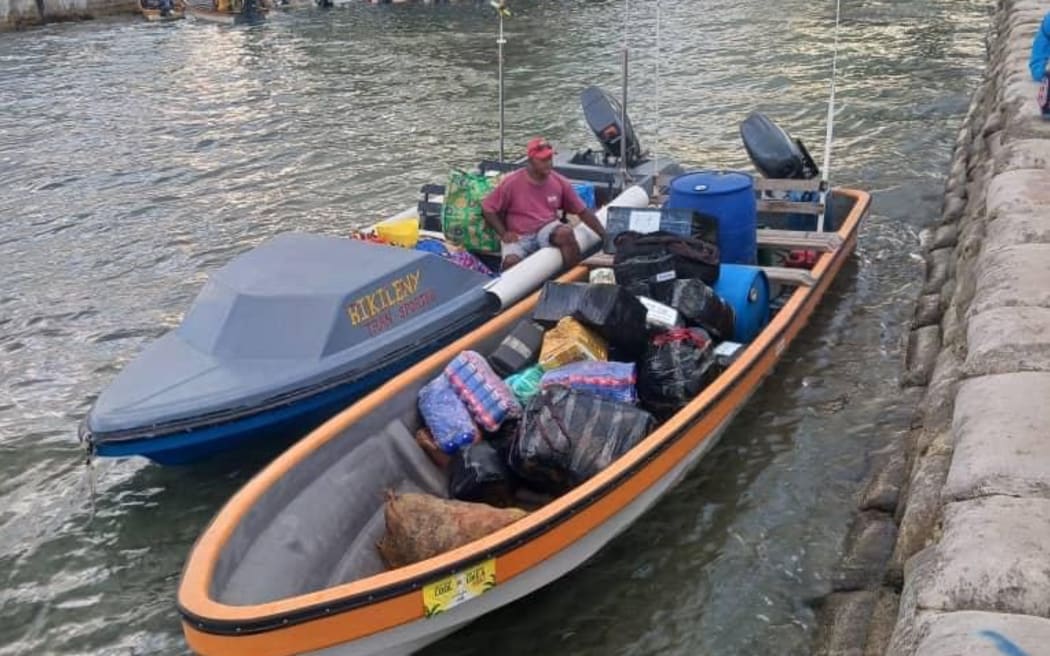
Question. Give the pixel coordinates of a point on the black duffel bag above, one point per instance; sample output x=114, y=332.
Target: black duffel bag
x=692, y=257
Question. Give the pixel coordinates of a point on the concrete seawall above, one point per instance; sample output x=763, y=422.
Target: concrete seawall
x=17, y=14
x=950, y=552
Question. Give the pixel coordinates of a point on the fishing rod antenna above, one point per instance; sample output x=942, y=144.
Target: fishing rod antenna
x=825, y=171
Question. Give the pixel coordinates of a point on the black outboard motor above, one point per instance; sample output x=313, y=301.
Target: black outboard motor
x=603, y=114
x=773, y=152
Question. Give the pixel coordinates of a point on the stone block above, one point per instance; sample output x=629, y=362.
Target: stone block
x=1002, y=438
x=1008, y=340
x=1024, y=154
x=938, y=269
x=927, y=311
x=843, y=620
x=953, y=210
x=884, y=489
x=924, y=344
x=976, y=633
x=867, y=550
x=993, y=555
x=952, y=328
x=1026, y=188
x=920, y=513
x=945, y=237
x=1012, y=276
x=1012, y=228
x=883, y=619
x=940, y=393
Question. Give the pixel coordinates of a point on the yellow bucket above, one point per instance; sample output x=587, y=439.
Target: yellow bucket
x=401, y=231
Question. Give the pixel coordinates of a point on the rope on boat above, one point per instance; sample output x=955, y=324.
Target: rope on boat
x=825, y=173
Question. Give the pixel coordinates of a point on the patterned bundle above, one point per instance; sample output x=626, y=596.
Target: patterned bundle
x=488, y=398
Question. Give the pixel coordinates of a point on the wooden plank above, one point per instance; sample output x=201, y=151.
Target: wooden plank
x=769, y=184
x=790, y=276
x=789, y=207
x=814, y=241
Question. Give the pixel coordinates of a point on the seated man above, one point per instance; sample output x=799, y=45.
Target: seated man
x=523, y=209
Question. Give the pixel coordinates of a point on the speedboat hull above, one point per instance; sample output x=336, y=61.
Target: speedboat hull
x=271, y=429
x=280, y=339
x=329, y=599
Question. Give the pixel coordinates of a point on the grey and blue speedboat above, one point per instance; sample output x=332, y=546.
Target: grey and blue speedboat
x=287, y=334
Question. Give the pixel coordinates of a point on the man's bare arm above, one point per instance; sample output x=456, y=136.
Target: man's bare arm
x=591, y=221
x=496, y=223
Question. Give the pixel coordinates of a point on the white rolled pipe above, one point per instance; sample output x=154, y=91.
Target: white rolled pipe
x=531, y=272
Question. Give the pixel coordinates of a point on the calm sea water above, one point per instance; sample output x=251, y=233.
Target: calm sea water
x=135, y=159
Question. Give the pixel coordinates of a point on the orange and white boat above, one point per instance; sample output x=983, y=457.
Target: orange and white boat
x=290, y=566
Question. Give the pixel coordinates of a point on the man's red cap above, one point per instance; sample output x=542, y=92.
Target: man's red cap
x=538, y=148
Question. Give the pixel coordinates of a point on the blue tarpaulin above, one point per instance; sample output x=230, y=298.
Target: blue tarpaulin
x=1040, y=50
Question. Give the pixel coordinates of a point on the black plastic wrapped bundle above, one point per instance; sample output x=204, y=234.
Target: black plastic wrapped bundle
x=641, y=274
x=678, y=365
x=479, y=473
x=700, y=306
x=692, y=257
x=566, y=437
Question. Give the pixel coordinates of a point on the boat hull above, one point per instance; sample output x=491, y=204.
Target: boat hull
x=226, y=17
x=154, y=16
x=386, y=613
x=269, y=429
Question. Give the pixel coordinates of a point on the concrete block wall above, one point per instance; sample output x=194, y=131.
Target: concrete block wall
x=969, y=573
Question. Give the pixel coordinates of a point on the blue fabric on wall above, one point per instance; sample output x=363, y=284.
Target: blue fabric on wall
x=1040, y=50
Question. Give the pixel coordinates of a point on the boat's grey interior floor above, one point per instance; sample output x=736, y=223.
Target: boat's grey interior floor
x=318, y=526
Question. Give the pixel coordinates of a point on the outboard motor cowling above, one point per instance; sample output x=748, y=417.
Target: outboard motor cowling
x=603, y=114
x=773, y=152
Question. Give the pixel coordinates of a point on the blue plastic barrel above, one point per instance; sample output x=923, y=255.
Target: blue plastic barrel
x=746, y=288
x=729, y=197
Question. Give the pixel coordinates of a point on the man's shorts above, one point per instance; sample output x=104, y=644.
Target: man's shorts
x=529, y=244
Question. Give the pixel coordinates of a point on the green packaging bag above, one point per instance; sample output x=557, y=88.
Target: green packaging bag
x=461, y=217
x=526, y=383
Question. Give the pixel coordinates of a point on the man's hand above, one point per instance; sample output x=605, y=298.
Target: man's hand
x=509, y=237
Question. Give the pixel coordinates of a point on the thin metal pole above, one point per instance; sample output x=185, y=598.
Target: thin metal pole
x=826, y=172
x=656, y=164
x=500, y=41
x=623, y=106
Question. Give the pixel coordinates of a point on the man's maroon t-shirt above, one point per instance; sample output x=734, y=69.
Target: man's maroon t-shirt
x=528, y=205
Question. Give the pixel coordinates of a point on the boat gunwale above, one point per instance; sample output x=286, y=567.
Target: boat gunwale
x=202, y=613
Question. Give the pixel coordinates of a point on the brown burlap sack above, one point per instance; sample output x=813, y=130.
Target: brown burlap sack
x=420, y=526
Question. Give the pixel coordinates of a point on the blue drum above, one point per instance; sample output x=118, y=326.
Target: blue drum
x=746, y=288
x=729, y=198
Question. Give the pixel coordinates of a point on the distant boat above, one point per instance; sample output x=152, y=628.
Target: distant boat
x=229, y=12
x=152, y=11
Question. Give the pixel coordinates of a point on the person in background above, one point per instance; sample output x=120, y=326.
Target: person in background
x=523, y=209
x=1040, y=50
